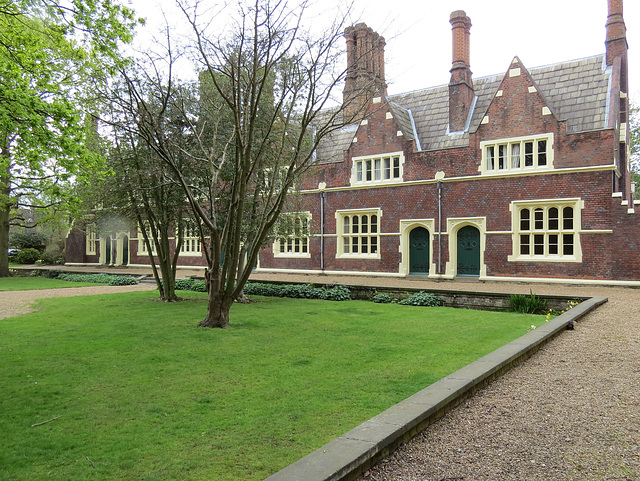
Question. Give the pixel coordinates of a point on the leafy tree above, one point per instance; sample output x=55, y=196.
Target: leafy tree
x=48, y=51
x=263, y=92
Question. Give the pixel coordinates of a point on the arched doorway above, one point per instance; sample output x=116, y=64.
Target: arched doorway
x=419, y=243
x=468, y=261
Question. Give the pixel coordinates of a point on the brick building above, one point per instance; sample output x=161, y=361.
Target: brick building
x=518, y=176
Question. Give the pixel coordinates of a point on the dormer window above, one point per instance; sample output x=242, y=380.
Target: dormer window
x=382, y=169
x=517, y=155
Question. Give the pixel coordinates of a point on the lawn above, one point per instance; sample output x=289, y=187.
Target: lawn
x=32, y=283
x=145, y=394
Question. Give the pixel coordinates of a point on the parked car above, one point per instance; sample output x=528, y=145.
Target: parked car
x=13, y=252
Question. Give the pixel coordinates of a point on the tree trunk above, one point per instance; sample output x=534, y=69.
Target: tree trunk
x=217, y=311
x=4, y=241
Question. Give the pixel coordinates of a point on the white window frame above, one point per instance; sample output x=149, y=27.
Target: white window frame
x=358, y=244
x=517, y=155
x=191, y=243
x=91, y=240
x=541, y=234
x=378, y=169
x=294, y=245
x=142, y=246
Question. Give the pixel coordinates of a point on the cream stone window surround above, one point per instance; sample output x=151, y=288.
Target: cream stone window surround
x=378, y=169
x=142, y=246
x=546, y=230
x=532, y=153
x=191, y=244
x=358, y=232
x=294, y=245
x=91, y=240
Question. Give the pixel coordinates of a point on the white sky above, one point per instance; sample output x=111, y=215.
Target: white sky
x=418, y=34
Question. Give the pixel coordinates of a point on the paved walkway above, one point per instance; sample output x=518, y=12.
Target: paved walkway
x=571, y=412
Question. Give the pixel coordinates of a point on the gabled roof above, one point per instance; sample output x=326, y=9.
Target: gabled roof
x=577, y=92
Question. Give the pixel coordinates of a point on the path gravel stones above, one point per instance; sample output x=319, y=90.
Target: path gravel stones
x=14, y=303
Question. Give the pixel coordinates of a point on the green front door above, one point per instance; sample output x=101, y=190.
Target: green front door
x=419, y=251
x=468, y=251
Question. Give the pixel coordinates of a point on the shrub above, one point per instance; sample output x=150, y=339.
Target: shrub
x=27, y=256
x=52, y=255
x=99, y=279
x=29, y=239
x=183, y=284
x=527, y=304
x=381, y=298
x=337, y=293
x=422, y=299
x=50, y=274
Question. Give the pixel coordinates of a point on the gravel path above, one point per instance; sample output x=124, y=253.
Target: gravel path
x=14, y=303
x=571, y=412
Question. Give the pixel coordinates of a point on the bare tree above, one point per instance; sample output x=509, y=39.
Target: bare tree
x=264, y=91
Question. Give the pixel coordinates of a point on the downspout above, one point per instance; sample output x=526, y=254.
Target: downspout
x=439, y=177
x=439, y=228
x=322, y=186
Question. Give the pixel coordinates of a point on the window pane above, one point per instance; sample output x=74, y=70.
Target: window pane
x=365, y=245
x=346, y=245
x=396, y=167
x=538, y=216
x=502, y=155
x=305, y=245
x=567, y=218
x=364, y=224
x=359, y=171
x=374, y=245
x=369, y=170
x=553, y=244
x=354, y=245
x=354, y=226
x=567, y=244
x=374, y=224
x=377, y=173
x=387, y=168
x=538, y=245
x=524, y=219
x=345, y=227
x=515, y=156
x=528, y=154
x=553, y=218
x=542, y=152
x=524, y=245
x=490, y=155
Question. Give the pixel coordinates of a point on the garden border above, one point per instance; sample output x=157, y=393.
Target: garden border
x=354, y=452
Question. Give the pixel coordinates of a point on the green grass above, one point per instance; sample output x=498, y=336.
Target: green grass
x=33, y=283
x=145, y=394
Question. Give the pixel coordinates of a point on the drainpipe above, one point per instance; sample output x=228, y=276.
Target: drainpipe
x=439, y=177
x=440, y=228
x=322, y=186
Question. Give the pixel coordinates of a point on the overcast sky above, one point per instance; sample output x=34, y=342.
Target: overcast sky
x=418, y=34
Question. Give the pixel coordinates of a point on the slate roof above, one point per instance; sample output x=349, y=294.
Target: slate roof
x=577, y=92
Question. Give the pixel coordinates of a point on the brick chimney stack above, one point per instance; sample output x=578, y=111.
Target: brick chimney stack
x=461, y=84
x=365, y=68
x=616, y=41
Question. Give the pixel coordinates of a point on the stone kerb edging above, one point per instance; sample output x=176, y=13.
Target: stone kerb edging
x=352, y=453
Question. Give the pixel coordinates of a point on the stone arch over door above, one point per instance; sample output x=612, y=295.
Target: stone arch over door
x=106, y=249
x=467, y=244
x=122, y=249
x=420, y=231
